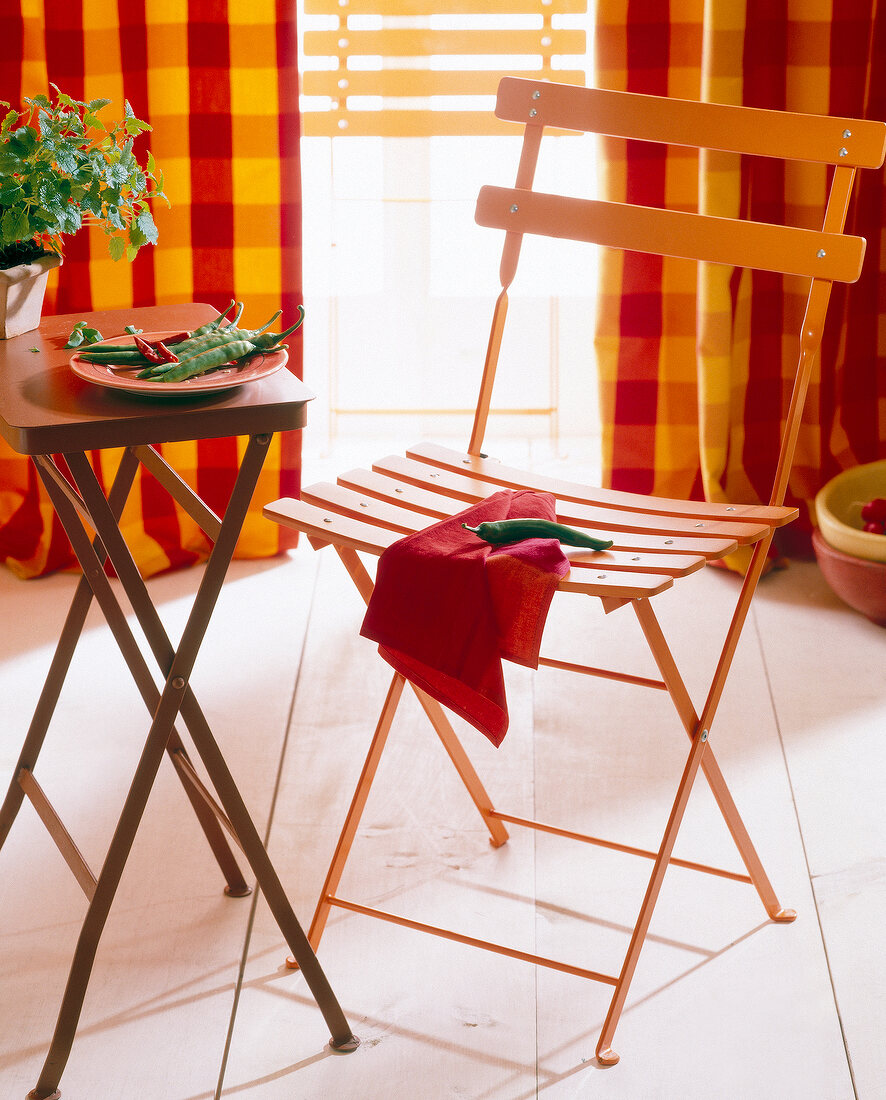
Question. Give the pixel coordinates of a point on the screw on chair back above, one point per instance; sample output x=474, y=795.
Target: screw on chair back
x=657, y=543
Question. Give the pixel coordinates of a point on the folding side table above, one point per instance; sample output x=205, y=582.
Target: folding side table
x=46, y=411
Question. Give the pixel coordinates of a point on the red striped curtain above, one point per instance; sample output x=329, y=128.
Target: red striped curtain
x=692, y=403
x=218, y=82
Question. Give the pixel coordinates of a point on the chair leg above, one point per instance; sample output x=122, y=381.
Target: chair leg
x=355, y=812
x=498, y=834
x=436, y=715
x=605, y=1054
x=692, y=723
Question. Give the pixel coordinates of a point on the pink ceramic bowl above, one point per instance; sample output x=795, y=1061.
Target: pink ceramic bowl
x=859, y=582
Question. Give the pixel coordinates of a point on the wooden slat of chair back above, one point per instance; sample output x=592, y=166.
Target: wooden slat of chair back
x=831, y=256
x=849, y=142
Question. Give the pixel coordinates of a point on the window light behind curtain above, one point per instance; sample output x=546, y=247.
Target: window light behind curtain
x=399, y=135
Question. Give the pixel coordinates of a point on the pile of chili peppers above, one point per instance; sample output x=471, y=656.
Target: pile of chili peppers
x=184, y=355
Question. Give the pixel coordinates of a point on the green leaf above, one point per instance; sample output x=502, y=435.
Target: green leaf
x=66, y=159
x=132, y=330
x=97, y=104
x=10, y=190
x=146, y=228
x=114, y=217
x=116, y=175
x=16, y=225
x=81, y=333
x=116, y=247
x=76, y=337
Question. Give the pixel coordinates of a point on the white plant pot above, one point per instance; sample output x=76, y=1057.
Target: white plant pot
x=21, y=295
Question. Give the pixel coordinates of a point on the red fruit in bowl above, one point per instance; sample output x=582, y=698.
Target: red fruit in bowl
x=875, y=528
x=874, y=511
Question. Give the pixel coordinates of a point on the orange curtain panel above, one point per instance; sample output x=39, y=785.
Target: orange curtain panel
x=218, y=83
x=692, y=403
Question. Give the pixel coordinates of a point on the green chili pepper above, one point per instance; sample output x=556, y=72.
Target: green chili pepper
x=232, y=324
x=131, y=356
x=208, y=360
x=210, y=326
x=189, y=349
x=503, y=531
x=270, y=340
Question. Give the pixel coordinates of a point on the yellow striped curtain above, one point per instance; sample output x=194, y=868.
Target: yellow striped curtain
x=692, y=405
x=218, y=82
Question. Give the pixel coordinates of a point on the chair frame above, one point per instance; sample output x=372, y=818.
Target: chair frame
x=657, y=541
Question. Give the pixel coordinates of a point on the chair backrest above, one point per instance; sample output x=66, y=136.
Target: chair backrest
x=824, y=256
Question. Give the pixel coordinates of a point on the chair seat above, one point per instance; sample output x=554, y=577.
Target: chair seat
x=655, y=540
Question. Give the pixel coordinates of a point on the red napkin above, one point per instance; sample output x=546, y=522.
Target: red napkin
x=447, y=606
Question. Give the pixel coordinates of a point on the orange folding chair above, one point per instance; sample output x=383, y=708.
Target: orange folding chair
x=658, y=543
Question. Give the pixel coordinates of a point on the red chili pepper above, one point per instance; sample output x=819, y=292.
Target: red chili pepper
x=148, y=351
x=177, y=339
x=162, y=349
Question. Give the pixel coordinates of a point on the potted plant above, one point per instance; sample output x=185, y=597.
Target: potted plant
x=62, y=168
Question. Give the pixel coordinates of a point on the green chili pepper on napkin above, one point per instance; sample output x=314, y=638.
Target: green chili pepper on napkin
x=500, y=532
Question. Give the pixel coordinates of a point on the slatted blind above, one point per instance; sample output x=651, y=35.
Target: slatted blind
x=417, y=68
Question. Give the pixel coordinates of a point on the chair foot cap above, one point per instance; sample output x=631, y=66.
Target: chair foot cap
x=291, y=964
x=784, y=916
x=345, y=1046
x=607, y=1057
x=35, y=1095
x=238, y=891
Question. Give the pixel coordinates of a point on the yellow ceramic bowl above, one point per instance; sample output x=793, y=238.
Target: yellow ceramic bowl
x=838, y=510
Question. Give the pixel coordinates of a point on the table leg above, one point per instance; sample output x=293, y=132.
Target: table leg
x=179, y=664
x=175, y=698
x=61, y=661
x=236, y=885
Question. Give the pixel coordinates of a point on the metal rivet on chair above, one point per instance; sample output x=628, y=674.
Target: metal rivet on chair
x=847, y=133
x=326, y=519
x=398, y=490
x=730, y=508
x=636, y=558
x=514, y=208
x=537, y=95
x=601, y=576
x=532, y=112
x=844, y=152
x=363, y=504
x=669, y=542
x=821, y=253
x=699, y=525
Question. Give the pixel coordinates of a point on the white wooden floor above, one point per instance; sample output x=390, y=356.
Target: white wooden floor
x=190, y=999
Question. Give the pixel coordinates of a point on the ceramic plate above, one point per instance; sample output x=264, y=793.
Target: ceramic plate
x=124, y=378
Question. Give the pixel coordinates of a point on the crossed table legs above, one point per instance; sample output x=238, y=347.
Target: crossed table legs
x=82, y=496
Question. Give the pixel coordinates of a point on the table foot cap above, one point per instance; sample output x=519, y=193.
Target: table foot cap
x=784, y=916
x=238, y=891
x=34, y=1094
x=607, y=1057
x=344, y=1046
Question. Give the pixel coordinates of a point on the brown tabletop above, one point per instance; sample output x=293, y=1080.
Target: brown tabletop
x=46, y=409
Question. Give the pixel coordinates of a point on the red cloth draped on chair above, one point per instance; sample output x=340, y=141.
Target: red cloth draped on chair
x=691, y=406
x=220, y=89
